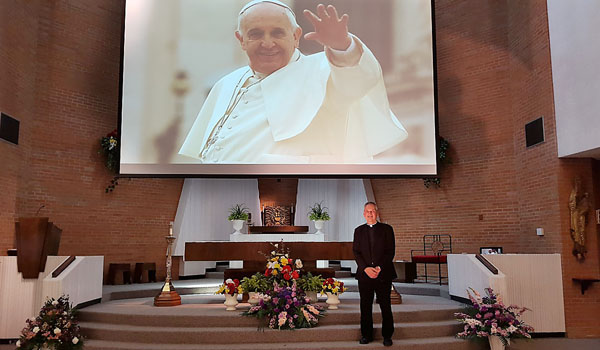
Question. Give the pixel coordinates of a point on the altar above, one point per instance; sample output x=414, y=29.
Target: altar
x=277, y=234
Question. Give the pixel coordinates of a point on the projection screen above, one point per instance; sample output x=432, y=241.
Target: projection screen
x=200, y=100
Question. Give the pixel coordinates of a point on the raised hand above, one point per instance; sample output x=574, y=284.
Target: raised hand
x=329, y=29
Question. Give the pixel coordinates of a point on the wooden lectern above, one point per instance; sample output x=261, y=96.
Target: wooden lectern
x=36, y=239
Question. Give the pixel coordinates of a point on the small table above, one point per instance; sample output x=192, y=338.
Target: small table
x=406, y=271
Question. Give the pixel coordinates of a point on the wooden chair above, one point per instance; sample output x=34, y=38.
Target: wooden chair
x=113, y=268
x=138, y=273
x=435, y=248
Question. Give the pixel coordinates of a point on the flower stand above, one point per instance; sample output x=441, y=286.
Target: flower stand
x=253, y=298
x=237, y=226
x=333, y=300
x=496, y=342
x=230, y=302
x=319, y=226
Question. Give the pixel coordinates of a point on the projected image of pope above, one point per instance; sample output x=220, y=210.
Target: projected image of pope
x=285, y=107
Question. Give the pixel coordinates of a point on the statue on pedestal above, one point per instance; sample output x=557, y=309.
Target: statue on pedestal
x=579, y=206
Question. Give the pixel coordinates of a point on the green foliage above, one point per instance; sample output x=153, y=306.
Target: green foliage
x=256, y=283
x=443, y=160
x=318, y=212
x=238, y=212
x=310, y=283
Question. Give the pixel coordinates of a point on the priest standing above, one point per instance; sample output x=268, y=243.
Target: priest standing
x=285, y=107
x=374, y=248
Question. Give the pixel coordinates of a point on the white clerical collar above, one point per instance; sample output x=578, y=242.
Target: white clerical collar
x=371, y=225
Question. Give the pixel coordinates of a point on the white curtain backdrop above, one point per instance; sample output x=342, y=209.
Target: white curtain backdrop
x=204, y=206
x=344, y=199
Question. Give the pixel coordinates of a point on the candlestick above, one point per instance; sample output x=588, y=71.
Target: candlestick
x=167, y=295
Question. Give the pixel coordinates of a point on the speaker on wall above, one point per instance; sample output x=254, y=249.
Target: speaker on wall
x=534, y=132
x=9, y=128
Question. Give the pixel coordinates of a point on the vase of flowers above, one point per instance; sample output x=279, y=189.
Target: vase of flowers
x=230, y=288
x=311, y=285
x=318, y=214
x=238, y=214
x=230, y=302
x=488, y=317
x=333, y=288
x=333, y=300
x=55, y=327
x=254, y=285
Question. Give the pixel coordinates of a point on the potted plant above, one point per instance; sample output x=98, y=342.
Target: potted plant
x=54, y=328
x=230, y=288
x=333, y=288
x=237, y=215
x=311, y=285
x=489, y=318
x=254, y=285
x=318, y=214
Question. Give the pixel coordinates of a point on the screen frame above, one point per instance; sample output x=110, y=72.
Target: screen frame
x=330, y=175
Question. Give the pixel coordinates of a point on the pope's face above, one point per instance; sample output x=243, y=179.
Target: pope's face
x=268, y=37
x=370, y=214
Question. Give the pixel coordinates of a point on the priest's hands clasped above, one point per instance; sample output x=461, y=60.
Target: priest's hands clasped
x=373, y=272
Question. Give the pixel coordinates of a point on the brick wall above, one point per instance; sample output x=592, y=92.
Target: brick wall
x=494, y=76
x=61, y=76
x=581, y=311
x=65, y=64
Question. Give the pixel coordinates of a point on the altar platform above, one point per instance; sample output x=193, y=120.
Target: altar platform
x=423, y=322
x=201, y=322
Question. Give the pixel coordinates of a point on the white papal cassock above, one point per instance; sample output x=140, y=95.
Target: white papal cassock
x=329, y=107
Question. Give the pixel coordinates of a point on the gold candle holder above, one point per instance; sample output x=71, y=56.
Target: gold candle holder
x=167, y=295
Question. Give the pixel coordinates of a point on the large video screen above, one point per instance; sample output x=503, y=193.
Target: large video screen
x=239, y=88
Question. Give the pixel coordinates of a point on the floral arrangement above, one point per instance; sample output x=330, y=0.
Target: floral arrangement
x=230, y=287
x=489, y=316
x=333, y=286
x=55, y=327
x=310, y=283
x=109, y=145
x=256, y=283
x=280, y=268
x=238, y=212
x=285, y=307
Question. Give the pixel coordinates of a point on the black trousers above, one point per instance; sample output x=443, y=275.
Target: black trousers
x=367, y=290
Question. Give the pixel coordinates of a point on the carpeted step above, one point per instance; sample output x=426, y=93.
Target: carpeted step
x=349, y=313
x=215, y=274
x=343, y=274
x=446, y=343
x=241, y=335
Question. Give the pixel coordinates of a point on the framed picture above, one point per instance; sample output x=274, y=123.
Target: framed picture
x=490, y=250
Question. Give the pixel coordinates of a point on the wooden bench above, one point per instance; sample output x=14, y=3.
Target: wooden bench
x=254, y=260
